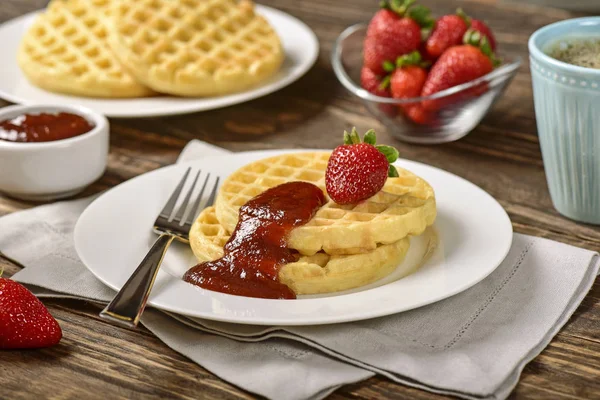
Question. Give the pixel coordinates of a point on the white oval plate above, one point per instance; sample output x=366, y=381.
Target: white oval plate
x=114, y=233
x=299, y=42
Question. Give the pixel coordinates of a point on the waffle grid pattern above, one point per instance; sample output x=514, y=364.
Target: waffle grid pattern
x=195, y=47
x=405, y=206
x=66, y=50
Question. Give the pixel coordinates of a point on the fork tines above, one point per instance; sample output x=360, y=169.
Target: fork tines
x=181, y=219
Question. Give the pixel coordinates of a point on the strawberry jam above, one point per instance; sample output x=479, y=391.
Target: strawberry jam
x=257, y=247
x=43, y=127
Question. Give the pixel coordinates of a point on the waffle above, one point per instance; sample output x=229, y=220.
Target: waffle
x=405, y=206
x=319, y=273
x=66, y=51
x=195, y=47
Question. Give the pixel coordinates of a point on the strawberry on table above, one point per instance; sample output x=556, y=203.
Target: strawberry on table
x=393, y=31
x=24, y=321
x=358, y=169
x=447, y=32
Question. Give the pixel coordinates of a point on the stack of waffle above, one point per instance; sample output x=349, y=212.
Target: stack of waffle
x=342, y=246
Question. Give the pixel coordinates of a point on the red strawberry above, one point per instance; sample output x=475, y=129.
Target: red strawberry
x=372, y=83
x=358, y=170
x=379, y=87
x=392, y=32
x=458, y=64
x=485, y=30
x=407, y=81
x=419, y=115
x=448, y=32
x=24, y=321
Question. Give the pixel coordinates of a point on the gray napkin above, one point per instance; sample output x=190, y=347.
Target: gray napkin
x=472, y=345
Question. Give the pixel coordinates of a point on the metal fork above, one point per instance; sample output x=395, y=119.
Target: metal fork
x=128, y=305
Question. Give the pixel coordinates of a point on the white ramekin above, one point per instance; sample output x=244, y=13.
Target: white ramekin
x=52, y=170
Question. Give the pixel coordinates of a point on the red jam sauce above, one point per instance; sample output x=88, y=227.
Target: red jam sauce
x=43, y=127
x=257, y=247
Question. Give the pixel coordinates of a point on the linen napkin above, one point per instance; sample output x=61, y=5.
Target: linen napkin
x=472, y=345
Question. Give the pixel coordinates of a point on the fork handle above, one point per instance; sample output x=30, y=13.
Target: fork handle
x=128, y=305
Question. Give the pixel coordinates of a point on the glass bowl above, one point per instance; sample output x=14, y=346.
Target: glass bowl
x=457, y=109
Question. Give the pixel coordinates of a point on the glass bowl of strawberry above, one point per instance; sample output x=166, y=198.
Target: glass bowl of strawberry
x=428, y=81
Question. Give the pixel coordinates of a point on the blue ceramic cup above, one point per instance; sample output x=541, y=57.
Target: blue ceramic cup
x=567, y=109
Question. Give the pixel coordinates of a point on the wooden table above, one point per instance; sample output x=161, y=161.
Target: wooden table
x=501, y=155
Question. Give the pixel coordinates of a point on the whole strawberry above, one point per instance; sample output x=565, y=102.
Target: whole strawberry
x=458, y=65
x=25, y=322
x=406, y=81
x=358, y=169
x=447, y=32
x=393, y=31
x=408, y=76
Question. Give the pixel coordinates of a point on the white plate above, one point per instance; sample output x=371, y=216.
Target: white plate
x=299, y=42
x=114, y=233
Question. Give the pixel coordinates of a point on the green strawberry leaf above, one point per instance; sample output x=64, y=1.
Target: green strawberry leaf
x=422, y=16
x=413, y=58
x=388, y=66
x=497, y=61
x=347, y=139
x=389, y=152
x=354, y=138
x=385, y=82
x=393, y=172
x=400, y=7
x=464, y=16
x=370, y=137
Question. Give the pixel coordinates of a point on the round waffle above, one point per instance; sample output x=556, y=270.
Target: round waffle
x=405, y=206
x=195, y=47
x=66, y=51
x=319, y=273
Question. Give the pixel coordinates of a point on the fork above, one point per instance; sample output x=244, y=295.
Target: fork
x=129, y=303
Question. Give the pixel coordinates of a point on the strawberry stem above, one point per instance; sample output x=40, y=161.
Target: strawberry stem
x=400, y=7
x=392, y=172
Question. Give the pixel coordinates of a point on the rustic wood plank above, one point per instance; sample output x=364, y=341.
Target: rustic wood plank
x=96, y=360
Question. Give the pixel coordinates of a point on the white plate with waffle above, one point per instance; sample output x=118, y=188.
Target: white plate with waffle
x=299, y=44
x=471, y=235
